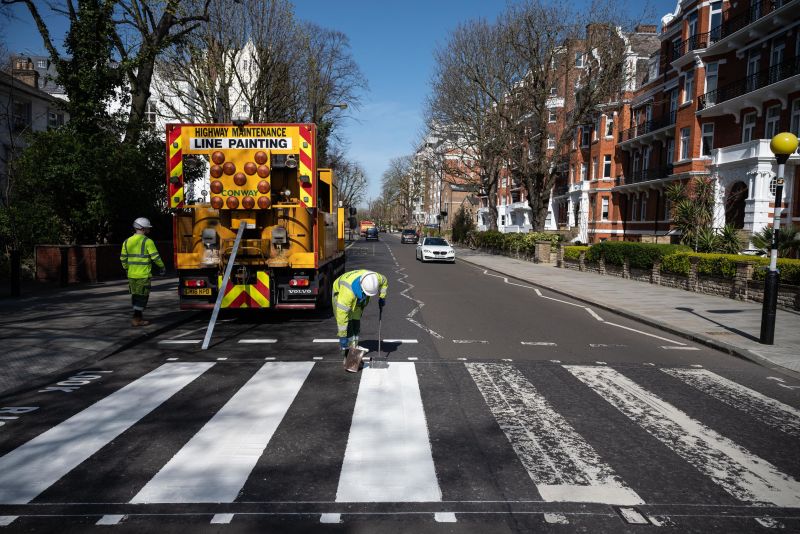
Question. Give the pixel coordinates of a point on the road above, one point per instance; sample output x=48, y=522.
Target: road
x=502, y=408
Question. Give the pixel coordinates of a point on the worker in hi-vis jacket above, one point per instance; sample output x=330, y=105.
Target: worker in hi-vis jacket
x=138, y=254
x=351, y=293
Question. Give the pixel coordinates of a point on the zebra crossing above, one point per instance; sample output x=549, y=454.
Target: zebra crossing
x=394, y=430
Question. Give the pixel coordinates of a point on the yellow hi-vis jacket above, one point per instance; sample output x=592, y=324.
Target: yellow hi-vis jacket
x=345, y=304
x=137, y=255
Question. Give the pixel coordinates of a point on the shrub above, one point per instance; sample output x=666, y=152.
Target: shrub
x=789, y=270
x=574, y=252
x=640, y=255
x=724, y=266
x=676, y=264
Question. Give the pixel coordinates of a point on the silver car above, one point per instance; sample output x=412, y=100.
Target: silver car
x=435, y=249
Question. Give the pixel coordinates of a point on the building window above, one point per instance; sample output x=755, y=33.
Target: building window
x=595, y=128
x=579, y=59
x=670, y=151
x=795, y=122
x=150, y=112
x=42, y=64
x=585, y=136
x=667, y=209
x=604, y=208
x=708, y=139
x=584, y=170
x=554, y=91
x=609, y=126
x=607, y=166
x=551, y=141
x=688, y=87
x=55, y=119
x=594, y=168
x=772, y=122
x=643, y=208
x=21, y=115
x=685, y=143
x=748, y=127
x=712, y=69
x=716, y=21
x=551, y=115
x=634, y=210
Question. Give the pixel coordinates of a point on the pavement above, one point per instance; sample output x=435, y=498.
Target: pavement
x=50, y=330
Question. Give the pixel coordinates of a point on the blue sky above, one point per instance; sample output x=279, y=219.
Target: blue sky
x=393, y=44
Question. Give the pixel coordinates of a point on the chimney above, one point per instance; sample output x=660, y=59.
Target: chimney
x=23, y=71
x=645, y=28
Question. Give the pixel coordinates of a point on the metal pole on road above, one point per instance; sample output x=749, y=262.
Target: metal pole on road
x=782, y=145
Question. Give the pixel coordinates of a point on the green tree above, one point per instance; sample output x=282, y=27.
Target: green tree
x=462, y=225
x=788, y=241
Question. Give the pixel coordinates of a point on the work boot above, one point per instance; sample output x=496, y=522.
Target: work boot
x=137, y=319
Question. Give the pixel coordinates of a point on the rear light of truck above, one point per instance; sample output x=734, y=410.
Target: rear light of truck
x=299, y=282
x=195, y=283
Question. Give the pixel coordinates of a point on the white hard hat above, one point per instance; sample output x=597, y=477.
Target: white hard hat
x=369, y=284
x=141, y=223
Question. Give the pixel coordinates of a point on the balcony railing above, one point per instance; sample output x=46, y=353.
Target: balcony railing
x=695, y=42
x=560, y=190
x=647, y=127
x=647, y=175
x=740, y=87
x=755, y=12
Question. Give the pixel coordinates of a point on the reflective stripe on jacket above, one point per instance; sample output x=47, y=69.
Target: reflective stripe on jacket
x=138, y=254
x=346, y=305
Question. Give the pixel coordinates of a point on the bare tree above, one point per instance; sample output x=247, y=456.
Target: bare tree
x=351, y=178
x=403, y=186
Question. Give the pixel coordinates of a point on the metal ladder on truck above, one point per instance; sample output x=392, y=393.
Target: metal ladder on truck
x=223, y=285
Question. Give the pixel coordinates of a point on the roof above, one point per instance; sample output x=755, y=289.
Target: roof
x=7, y=80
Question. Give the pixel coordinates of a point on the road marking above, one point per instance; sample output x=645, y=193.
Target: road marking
x=256, y=341
x=400, y=341
x=172, y=359
x=769, y=522
x=221, y=519
x=632, y=516
x=326, y=340
x=769, y=411
x=741, y=473
x=555, y=518
x=111, y=519
x=601, y=363
x=507, y=360
x=645, y=333
x=222, y=359
x=560, y=462
x=270, y=358
x=6, y=520
x=318, y=357
x=461, y=359
x=696, y=365
x=782, y=383
x=539, y=343
x=464, y=341
x=428, y=330
x=330, y=518
x=445, y=517
x=388, y=455
x=605, y=345
x=555, y=361
x=214, y=465
x=179, y=341
x=413, y=358
x=673, y=347
x=31, y=468
x=594, y=314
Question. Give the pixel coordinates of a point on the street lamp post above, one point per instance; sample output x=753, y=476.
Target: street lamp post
x=782, y=145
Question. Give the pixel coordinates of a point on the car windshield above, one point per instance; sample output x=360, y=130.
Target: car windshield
x=409, y=232
x=436, y=241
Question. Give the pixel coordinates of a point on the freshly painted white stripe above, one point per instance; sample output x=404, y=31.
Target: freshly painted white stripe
x=482, y=341
x=560, y=462
x=445, y=517
x=769, y=411
x=645, y=333
x=214, y=465
x=256, y=341
x=632, y=516
x=400, y=341
x=594, y=314
x=6, y=520
x=741, y=473
x=330, y=518
x=179, y=341
x=388, y=455
x=112, y=519
x=539, y=343
x=221, y=519
x=33, y=467
x=673, y=347
x=325, y=340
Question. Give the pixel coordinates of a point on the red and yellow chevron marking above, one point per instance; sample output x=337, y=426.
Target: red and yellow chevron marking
x=306, y=167
x=247, y=295
x=175, y=167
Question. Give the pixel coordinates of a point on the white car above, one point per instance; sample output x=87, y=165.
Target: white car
x=435, y=249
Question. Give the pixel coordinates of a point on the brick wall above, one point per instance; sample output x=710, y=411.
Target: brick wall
x=86, y=263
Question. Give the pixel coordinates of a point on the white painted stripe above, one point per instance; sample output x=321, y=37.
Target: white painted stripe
x=605, y=345
x=632, y=516
x=179, y=341
x=172, y=359
x=673, y=347
x=214, y=465
x=555, y=518
x=257, y=341
x=33, y=467
x=325, y=340
x=428, y=330
x=112, y=519
x=445, y=517
x=400, y=341
x=330, y=518
x=744, y=475
x=539, y=343
x=221, y=519
x=270, y=358
x=507, y=360
x=461, y=359
x=413, y=358
x=484, y=342
x=222, y=359
x=318, y=358
x=769, y=411
x=6, y=520
x=594, y=314
x=560, y=462
x=555, y=361
x=645, y=333
x=388, y=456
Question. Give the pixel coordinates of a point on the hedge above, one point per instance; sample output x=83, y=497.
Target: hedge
x=789, y=270
x=517, y=242
x=640, y=255
x=724, y=266
x=574, y=252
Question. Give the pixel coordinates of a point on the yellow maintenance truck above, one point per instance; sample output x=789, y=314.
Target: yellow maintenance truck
x=272, y=231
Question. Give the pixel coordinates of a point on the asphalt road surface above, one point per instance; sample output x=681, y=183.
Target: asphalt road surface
x=493, y=406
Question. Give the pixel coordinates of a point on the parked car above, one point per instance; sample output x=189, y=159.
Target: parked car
x=371, y=233
x=409, y=236
x=435, y=249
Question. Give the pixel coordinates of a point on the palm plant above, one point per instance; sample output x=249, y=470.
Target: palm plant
x=692, y=209
x=788, y=241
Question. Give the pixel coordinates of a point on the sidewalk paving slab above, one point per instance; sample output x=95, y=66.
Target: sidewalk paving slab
x=51, y=330
x=728, y=325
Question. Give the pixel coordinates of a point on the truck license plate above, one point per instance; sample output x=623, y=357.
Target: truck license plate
x=201, y=291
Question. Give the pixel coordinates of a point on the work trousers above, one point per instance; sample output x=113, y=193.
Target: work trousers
x=140, y=292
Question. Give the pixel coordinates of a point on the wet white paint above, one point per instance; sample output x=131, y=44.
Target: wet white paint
x=741, y=473
x=560, y=462
x=6, y=520
x=388, y=456
x=330, y=518
x=33, y=467
x=110, y=519
x=221, y=519
x=214, y=465
x=767, y=410
x=445, y=517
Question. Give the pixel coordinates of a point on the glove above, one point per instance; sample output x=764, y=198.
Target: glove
x=343, y=343
x=381, y=303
